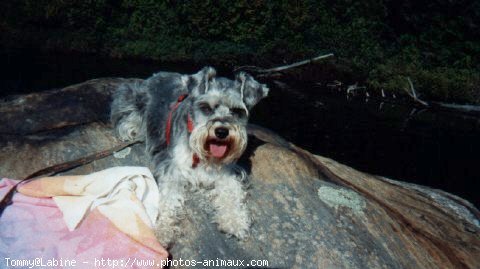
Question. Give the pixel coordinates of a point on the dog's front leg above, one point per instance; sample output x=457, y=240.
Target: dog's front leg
x=172, y=197
x=231, y=214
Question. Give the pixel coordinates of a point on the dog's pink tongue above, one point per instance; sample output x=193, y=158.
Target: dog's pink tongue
x=218, y=150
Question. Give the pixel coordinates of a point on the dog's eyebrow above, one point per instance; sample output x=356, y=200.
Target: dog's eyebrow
x=237, y=107
x=203, y=103
x=240, y=110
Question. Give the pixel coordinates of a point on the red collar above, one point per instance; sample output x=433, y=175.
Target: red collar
x=170, y=115
x=195, y=159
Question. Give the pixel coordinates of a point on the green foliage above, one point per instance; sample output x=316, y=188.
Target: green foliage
x=439, y=83
x=436, y=43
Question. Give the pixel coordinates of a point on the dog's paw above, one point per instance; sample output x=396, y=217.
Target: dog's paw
x=236, y=226
x=167, y=228
x=165, y=234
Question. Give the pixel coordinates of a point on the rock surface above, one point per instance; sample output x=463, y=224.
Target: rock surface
x=309, y=211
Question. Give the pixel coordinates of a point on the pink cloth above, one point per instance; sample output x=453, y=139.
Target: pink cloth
x=34, y=228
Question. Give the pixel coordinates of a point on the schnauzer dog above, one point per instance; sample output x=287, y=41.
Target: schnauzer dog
x=194, y=127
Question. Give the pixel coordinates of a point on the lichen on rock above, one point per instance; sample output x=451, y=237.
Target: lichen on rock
x=336, y=197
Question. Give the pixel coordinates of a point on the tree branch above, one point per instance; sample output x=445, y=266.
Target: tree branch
x=413, y=94
x=283, y=67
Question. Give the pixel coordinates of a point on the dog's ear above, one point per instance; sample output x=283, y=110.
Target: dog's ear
x=199, y=82
x=251, y=90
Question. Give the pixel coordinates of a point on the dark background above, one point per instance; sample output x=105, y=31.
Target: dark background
x=378, y=44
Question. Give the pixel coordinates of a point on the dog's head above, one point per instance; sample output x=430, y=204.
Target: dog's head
x=220, y=109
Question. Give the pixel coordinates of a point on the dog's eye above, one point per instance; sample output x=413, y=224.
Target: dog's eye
x=238, y=112
x=205, y=108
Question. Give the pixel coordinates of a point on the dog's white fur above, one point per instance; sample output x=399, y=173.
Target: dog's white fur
x=224, y=190
x=137, y=114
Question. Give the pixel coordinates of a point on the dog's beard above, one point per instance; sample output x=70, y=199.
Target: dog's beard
x=212, y=150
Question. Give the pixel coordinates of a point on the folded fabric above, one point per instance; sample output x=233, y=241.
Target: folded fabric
x=107, y=214
x=127, y=196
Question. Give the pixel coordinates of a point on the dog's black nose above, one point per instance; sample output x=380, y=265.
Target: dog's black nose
x=221, y=132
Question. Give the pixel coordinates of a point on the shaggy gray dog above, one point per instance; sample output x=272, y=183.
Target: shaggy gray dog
x=194, y=127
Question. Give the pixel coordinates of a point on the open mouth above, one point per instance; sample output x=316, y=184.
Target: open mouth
x=216, y=148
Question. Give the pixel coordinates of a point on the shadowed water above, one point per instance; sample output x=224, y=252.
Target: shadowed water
x=434, y=148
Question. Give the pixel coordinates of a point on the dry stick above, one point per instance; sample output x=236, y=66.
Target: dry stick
x=7, y=198
x=80, y=161
x=354, y=87
x=413, y=94
x=284, y=67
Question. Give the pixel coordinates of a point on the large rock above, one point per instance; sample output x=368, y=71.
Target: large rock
x=309, y=211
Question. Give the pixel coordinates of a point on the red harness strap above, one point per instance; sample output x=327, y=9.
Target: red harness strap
x=169, y=120
x=195, y=159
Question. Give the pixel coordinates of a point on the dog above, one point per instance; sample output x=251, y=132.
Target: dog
x=194, y=128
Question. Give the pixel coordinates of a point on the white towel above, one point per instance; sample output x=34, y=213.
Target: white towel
x=112, y=191
x=128, y=196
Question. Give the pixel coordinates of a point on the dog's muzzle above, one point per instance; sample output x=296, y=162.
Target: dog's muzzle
x=219, y=142
x=219, y=146
x=221, y=132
